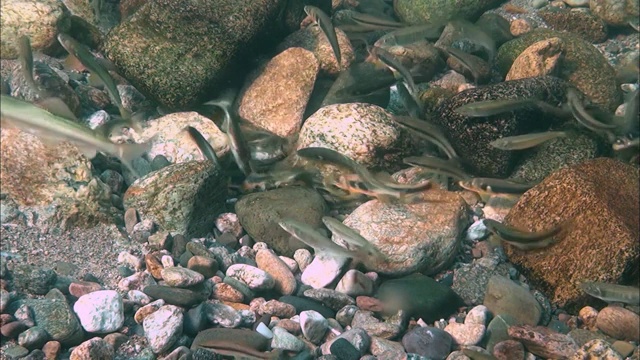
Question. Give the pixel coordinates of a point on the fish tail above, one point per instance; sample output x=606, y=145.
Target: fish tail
x=128, y=152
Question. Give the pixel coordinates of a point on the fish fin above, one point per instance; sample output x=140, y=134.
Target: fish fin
x=57, y=107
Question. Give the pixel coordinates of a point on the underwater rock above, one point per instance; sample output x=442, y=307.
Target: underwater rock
x=600, y=243
x=422, y=237
x=582, y=65
x=470, y=136
x=366, y=133
x=616, y=12
x=582, y=23
x=420, y=12
x=313, y=39
x=41, y=20
x=171, y=141
x=180, y=53
x=276, y=99
x=182, y=198
x=259, y=214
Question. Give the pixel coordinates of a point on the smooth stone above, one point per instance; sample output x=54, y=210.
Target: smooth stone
x=497, y=330
x=479, y=314
x=93, y=349
x=354, y=283
x=343, y=350
x=304, y=304
x=33, y=338
x=619, y=323
x=163, y=328
x=254, y=277
x=465, y=334
x=243, y=337
x=333, y=299
x=358, y=338
x=181, y=277
x=313, y=325
x=429, y=342
x=285, y=282
x=323, y=270
x=174, y=296
x=419, y=295
x=222, y=314
x=283, y=340
x=100, y=311
x=503, y=296
x=544, y=342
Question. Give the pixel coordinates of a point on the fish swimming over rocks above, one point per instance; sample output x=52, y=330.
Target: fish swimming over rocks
x=87, y=59
x=47, y=126
x=521, y=142
x=207, y=151
x=612, y=292
x=352, y=238
x=325, y=24
x=524, y=240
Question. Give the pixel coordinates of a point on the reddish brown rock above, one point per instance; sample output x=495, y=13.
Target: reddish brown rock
x=544, y=342
x=226, y=292
x=509, y=350
x=276, y=99
x=601, y=198
x=79, y=288
x=154, y=266
x=619, y=323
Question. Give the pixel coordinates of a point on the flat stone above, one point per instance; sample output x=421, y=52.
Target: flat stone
x=503, y=296
x=174, y=296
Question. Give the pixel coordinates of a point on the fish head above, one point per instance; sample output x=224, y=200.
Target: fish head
x=591, y=288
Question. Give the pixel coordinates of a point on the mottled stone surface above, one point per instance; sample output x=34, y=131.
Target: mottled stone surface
x=169, y=139
x=365, y=133
x=583, y=23
x=422, y=237
x=41, y=20
x=420, y=12
x=540, y=59
x=199, y=46
x=615, y=12
x=544, y=342
x=276, y=99
x=601, y=198
x=583, y=65
x=184, y=198
x=259, y=214
x=313, y=39
x=470, y=136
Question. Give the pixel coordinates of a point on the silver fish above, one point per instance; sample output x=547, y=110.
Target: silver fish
x=30, y=118
x=612, y=292
x=394, y=63
x=353, y=238
x=521, y=142
x=203, y=145
x=87, y=59
x=320, y=243
x=584, y=118
x=493, y=107
x=325, y=24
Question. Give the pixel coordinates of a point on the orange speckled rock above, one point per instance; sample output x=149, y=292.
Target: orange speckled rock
x=601, y=197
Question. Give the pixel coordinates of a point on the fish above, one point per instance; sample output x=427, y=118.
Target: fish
x=630, y=122
x=26, y=63
x=320, y=243
x=35, y=120
x=429, y=132
x=446, y=167
x=521, y=142
x=524, y=240
x=203, y=145
x=469, y=32
x=373, y=184
x=80, y=52
x=487, y=188
x=500, y=186
x=238, y=351
x=412, y=34
x=582, y=116
x=239, y=147
x=276, y=178
x=225, y=102
x=410, y=101
x=463, y=59
x=394, y=63
x=360, y=22
x=325, y=24
x=612, y=292
x=353, y=238
x=493, y=107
